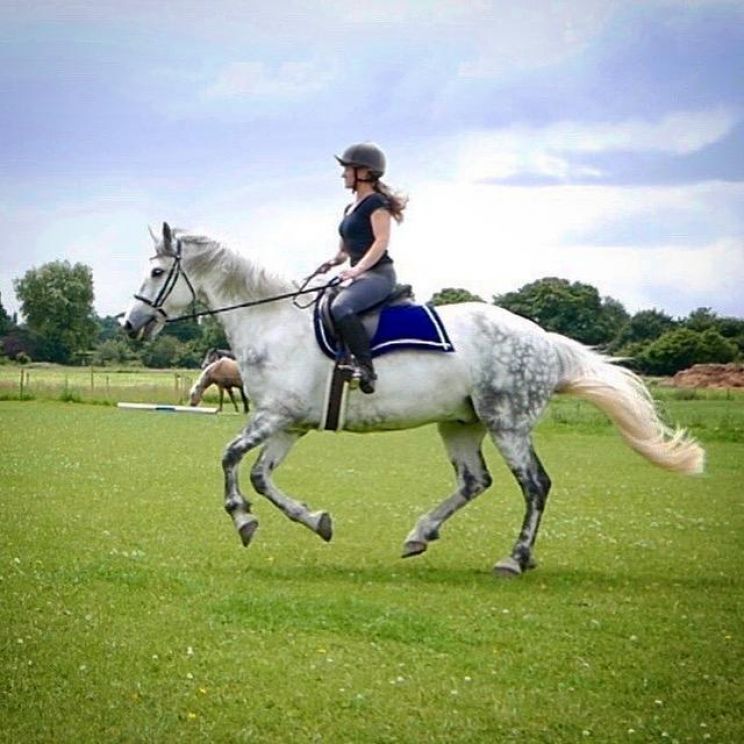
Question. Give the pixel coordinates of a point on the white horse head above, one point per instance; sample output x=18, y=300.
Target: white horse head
x=165, y=289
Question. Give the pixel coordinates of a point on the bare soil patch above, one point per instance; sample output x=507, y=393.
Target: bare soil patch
x=710, y=376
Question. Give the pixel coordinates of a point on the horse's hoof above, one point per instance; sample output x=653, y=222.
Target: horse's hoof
x=507, y=568
x=246, y=532
x=325, y=526
x=413, y=547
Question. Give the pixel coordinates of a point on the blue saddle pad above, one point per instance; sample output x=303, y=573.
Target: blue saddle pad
x=400, y=327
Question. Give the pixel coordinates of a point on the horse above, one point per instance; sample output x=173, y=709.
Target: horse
x=496, y=382
x=226, y=375
x=214, y=354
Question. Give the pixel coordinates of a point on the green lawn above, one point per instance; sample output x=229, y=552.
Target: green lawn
x=130, y=612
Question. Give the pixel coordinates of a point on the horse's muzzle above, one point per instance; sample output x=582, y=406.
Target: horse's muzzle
x=147, y=329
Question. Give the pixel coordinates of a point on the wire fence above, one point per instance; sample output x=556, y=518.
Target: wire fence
x=96, y=385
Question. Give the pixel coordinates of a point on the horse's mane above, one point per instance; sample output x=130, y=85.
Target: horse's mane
x=237, y=276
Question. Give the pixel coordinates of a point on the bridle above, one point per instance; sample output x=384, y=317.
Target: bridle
x=176, y=270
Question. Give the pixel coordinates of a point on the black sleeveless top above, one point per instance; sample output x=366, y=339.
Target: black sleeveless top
x=356, y=228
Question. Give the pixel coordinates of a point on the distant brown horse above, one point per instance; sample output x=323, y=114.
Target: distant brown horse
x=225, y=374
x=213, y=354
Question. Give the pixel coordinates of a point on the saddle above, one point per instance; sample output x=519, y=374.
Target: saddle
x=396, y=322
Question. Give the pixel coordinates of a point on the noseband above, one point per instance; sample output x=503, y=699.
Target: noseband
x=176, y=270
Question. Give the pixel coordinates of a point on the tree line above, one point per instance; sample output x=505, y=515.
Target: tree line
x=60, y=325
x=652, y=342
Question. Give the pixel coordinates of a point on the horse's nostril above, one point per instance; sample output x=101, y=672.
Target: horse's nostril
x=128, y=328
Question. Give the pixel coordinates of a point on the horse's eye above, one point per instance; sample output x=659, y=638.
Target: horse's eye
x=156, y=273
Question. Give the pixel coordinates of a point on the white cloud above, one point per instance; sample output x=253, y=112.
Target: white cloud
x=679, y=133
x=493, y=239
x=545, y=151
x=259, y=80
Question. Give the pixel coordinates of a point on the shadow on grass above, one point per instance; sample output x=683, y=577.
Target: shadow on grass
x=555, y=579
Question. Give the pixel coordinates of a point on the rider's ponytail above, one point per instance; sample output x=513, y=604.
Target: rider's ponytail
x=397, y=201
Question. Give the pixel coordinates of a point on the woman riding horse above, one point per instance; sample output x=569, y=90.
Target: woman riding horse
x=365, y=234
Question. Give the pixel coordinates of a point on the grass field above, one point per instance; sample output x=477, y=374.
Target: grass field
x=130, y=613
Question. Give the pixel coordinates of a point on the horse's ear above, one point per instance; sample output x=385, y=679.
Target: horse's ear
x=155, y=238
x=167, y=239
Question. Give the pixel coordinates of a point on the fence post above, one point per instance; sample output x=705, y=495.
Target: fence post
x=21, y=393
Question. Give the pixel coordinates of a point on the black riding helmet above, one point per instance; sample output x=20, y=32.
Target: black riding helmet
x=364, y=155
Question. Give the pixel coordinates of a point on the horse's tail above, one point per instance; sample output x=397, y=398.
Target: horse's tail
x=625, y=399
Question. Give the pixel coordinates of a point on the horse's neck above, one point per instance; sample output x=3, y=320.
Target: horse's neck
x=258, y=326
x=226, y=279
x=204, y=381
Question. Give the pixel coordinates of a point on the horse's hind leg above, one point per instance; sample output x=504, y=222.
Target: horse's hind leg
x=463, y=445
x=232, y=399
x=517, y=450
x=271, y=456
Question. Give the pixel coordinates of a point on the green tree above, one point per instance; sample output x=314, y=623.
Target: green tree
x=574, y=309
x=701, y=319
x=5, y=321
x=212, y=334
x=109, y=328
x=642, y=328
x=733, y=330
x=168, y=351
x=614, y=317
x=114, y=351
x=185, y=330
x=453, y=295
x=18, y=343
x=683, y=347
x=57, y=302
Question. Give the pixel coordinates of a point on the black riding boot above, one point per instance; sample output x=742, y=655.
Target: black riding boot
x=355, y=337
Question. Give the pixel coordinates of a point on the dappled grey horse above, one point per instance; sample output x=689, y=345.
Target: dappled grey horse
x=497, y=381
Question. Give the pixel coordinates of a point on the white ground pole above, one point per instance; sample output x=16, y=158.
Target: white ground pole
x=165, y=407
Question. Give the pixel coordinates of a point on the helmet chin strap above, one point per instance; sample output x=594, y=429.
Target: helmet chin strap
x=358, y=179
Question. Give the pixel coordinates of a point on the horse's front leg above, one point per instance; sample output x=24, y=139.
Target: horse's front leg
x=271, y=456
x=259, y=429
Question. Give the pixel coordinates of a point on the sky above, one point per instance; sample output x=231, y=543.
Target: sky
x=599, y=141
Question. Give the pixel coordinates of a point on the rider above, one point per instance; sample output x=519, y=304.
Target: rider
x=365, y=234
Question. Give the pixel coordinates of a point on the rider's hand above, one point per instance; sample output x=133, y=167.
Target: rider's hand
x=349, y=274
x=324, y=268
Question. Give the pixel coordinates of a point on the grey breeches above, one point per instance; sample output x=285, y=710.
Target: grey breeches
x=371, y=287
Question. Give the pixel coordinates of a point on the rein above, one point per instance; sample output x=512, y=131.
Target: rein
x=177, y=271
x=253, y=303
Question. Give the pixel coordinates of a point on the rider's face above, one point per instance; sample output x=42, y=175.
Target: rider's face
x=352, y=175
x=349, y=177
